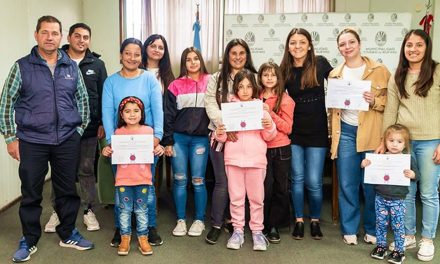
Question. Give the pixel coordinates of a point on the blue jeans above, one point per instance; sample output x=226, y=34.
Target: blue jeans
x=194, y=149
x=307, y=168
x=134, y=198
x=351, y=178
x=429, y=173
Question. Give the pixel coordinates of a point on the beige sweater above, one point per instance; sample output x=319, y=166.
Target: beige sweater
x=420, y=114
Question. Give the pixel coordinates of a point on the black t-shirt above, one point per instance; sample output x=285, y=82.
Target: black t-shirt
x=310, y=116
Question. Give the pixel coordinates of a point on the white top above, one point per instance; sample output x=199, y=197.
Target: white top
x=351, y=117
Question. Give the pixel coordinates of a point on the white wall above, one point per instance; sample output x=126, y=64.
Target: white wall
x=19, y=18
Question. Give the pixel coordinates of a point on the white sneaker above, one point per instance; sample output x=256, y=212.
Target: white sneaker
x=90, y=221
x=236, y=240
x=410, y=242
x=196, y=228
x=426, y=251
x=350, y=239
x=369, y=239
x=180, y=229
x=52, y=223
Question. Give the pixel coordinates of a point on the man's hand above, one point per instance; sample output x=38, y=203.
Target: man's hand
x=13, y=150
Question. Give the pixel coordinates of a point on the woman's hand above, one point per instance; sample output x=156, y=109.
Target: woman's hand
x=436, y=155
x=266, y=122
x=220, y=130
x=159, y=150
x=107, y=151
x=369, y=97
x=169, y=151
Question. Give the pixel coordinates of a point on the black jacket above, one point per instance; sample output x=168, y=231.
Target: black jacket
x=94, y=74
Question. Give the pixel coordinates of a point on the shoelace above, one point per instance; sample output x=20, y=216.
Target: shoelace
x=261, y=239
x=236, y=236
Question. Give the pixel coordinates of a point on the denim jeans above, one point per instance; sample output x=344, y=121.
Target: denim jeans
x=192, y=149
x=134, y=198
x=429, y=173
x=276, y=187
x=351, y=179
x=307, y=168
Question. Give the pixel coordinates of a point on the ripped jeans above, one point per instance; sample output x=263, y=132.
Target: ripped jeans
x=192, y=149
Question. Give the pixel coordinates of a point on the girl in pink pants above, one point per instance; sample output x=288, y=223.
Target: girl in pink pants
x=245, y=163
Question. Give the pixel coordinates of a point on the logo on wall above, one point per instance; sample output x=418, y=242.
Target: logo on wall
x=261, y=19
x=315, y=38
x=370, y=17
x=282, y=18
x=334, y=62
x=324, y=17
x=393, y=17
x=304, y=18
x=335, y=32
x=229, y=33
x=379, y=60
x=347, y=17
x=250, y=38
x=271, y=32
x=404, y=32
x=271, y=60
x=359, y=31
x=281, y=47
x=381, y=38
x=239, y=19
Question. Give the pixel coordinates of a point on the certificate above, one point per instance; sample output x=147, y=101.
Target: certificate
x=387, y=169
x=240, y=116
x=347, y=94
x=132, y=149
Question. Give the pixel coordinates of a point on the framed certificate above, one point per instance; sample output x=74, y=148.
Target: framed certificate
x=387, y=169
x=132, y=149
x=347, y=94
x=240, y=116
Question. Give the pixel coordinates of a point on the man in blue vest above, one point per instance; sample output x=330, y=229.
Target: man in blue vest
x=47, y=94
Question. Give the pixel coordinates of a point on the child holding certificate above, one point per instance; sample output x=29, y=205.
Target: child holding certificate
x=276, y=184
x=390, y=199
x=133, y=181
x=245, y=162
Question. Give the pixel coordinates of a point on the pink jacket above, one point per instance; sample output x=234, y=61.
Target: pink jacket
x=249, y=151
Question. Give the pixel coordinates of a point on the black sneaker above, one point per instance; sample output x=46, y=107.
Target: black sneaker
x=298, y=231
x=116, y=238
x=378, y=252
x=396, y=257
x=273, y=236
x=153, y=237
x=229, y=228
x=315, y=230
x=213, y=235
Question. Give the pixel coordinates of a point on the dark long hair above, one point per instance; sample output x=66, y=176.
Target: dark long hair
x=426, y=76
x=121, y=107
x=226, y=69
x=165, y=72
x=308, y=77
x=279, y=89
x=183, y=70
x=246, y=74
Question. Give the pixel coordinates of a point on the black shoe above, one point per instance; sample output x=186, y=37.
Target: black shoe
x=315, y=230
x=378, y=252
x=273, y=236
x=298, y=231
x=213, y=235
x=116, y=240
x=153, y=237
x=396, y=257
x=229, y=228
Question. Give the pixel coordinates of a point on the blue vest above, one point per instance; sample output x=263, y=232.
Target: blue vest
x=46, y=111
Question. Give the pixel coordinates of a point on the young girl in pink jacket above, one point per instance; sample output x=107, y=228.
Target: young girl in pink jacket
x=245, y=163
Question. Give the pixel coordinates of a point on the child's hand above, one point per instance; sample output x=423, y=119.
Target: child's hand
x=266, y=107
x=107, y=151
x=266, y=122
x=220, y=130
x=365, y=163
x=409, y=174
x=159, y=150
x=169, y=151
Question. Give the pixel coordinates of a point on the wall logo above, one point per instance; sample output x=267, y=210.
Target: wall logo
x=334, y=62
x=250, y=38
x=325, y=18
x=304, y=18
x=271, y=60
x=239, y=19
x=393, y=17
x=381, y=38
x=370, y=17
x=404, y=32
x=379, y=60
x=359, y=31
x=229, y=33
x=271, y=32
x=335, y=32
x=347, y=17
x=261, y=19
x=315, y=38
x=282, y=18
x=281, y=47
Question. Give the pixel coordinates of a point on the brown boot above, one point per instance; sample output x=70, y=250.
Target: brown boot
x=124, y=247
x=144, y=246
